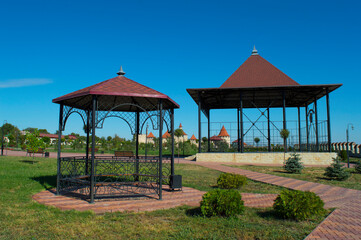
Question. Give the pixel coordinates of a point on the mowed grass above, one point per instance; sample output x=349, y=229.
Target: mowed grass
x=23, y=218
x=311, y=174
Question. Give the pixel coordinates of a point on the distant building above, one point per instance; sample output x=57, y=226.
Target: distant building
x=193, y=140
x=54, y=137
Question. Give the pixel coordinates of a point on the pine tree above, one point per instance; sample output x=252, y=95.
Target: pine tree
x=336, y=171
x=293, y=164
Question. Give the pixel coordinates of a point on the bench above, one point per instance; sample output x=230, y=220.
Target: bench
x=39, y=151
x=124, y=154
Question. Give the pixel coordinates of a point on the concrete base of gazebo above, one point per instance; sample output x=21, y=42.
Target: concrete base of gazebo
x=307, y=158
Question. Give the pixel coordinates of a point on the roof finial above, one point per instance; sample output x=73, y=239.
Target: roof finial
x=121, y=72
x=254, y=51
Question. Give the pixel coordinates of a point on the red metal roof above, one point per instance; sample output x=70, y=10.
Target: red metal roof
x=258, y=72
x=118, y=86
x=55, y=136
x=236, y=141
x=150, y=135
x=215, y=138
x=193, y=137
x=166, y=135
x=223, y=132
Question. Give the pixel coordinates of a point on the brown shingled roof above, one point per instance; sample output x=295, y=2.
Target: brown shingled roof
x=166, y=135
x=258, y=72
x=193, y=137
x=150, y=135
x=223, y=132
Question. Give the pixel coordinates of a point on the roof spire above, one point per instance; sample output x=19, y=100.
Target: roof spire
x=254, y=51
x=121, y=72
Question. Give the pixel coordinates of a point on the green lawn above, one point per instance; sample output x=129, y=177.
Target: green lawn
x=22, y=218
x=311, y=174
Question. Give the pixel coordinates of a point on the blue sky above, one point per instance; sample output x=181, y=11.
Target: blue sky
x=50, y=48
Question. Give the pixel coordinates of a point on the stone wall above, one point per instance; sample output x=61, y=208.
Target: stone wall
x=307, y=158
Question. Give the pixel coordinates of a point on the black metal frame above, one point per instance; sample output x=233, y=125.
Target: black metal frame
x=92, y=177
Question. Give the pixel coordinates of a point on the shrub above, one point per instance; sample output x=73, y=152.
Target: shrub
x=231, y=181
x=222, y=202
x=293, y=164
x=358, y=166
x=343, y=155
x=336, y=171
x=298, y=205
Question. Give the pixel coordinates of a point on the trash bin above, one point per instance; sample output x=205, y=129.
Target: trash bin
x=47, y=154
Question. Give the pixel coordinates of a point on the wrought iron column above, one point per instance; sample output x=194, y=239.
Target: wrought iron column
x=94, y=101
x=209, y=131
x=172, y=156
x=269, y=129
x=137, y=146
x=160, y=148
x=284, y=119
x=199, y=123
x=307, y=133
x=316, y=118
x=59, y=149
x=328, y=121
x=238, y=133
x=241, y=121
x=87, y=129
x=299, y=127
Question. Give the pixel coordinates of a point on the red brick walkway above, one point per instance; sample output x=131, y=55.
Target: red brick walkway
x=188, y=196
x=343, y=223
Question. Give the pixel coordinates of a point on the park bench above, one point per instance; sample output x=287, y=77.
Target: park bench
x=39, y=151
x=124, y=154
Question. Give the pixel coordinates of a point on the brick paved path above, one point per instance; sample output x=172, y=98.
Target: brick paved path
x=343, y=223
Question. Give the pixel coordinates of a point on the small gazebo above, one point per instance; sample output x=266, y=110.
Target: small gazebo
x=92, y=176
x=259, y=85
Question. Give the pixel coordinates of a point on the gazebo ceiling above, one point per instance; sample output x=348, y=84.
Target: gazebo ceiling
x=262, y=85
x=115, y=92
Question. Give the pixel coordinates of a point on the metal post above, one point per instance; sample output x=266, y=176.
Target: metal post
x=307, y=133
x=2, y=140
x=238, y=133
x=328, y=121
x=137, y=147
x=172, y=156
x=93, y=152
x=316, y=118
x=87, y=143
x=241, y=120
x=348, y=159
x=199, y=123
x=284, y=119
x=299, y=127
x=209, y=131
x=269, y=130
x=160, y=148
x=59, y=149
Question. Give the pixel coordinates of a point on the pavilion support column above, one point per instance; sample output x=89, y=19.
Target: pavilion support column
x=92, y=178
x=284, y=119
x=160, y=127
x=137, y=147
x=172, y=156
x=241, y=121
x=199, y=123
x=209, y=131
x=238, y=133
x=299, y=127
x=59, y=149
x=269, y=129
x=328, y=121
x=87, y=129
x=307, y=132
x=316, y=118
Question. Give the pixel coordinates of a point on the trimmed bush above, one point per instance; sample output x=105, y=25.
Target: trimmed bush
x=231, y=181
x=298, y=205
x=358, y=166
x=222, y=202
x=336, y=171
x=293, y=164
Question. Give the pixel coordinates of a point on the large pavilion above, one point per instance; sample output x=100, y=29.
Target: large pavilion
x=93, y=177
x=260, y=85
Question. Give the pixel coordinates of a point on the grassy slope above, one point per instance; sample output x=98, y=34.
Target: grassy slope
x=311, y=174
x=22, y=218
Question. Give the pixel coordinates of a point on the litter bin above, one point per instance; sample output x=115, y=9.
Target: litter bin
x=47, y=154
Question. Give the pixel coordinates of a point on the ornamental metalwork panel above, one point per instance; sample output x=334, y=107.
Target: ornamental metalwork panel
x=67, y=111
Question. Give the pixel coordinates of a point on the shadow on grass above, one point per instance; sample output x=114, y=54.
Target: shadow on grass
x=29, y=161
x=48, y=182
x=269, y=214
x=194, y=212
x=281, y=171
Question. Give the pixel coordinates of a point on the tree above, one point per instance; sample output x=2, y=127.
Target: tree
x=178, y=133
x=256, y=140
x=43, y=131
x=336, y=171
x=284, y=133
x=33, y=142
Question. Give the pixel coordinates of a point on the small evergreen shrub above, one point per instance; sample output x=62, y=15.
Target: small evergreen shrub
x=222, y=202
x=293, y=164
x=358, y=167
x=343, y=155
x=231, y=181
x=336, y=171
x=298, y=205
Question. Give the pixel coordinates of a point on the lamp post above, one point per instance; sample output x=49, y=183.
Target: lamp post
x=146, y=140
x=347, y=131
x=2, y=138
